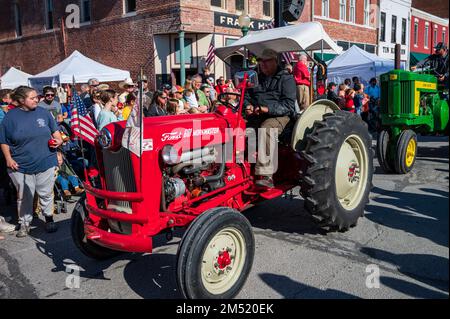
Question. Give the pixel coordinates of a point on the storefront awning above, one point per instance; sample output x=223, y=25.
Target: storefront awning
x=326, y=56
x=415, y=57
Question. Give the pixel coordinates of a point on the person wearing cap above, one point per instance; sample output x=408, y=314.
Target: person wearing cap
x=303, y=82
x=438, y=62
x=177, y=94
x=86, y=96
x=166, y=88
x=269, y=106
x=49, y=103
x=148, y=95
x=127, y=87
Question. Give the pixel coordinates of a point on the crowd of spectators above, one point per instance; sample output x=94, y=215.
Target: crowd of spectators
x=39, y=149
x=354, y=97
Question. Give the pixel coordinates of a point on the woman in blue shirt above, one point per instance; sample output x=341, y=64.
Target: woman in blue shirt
x=109, y=112
x=25, y=135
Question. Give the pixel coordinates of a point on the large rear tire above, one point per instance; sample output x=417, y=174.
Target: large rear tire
x=406, y=152
x=86, y=246
x=386, y=163
x=339, y=167
x=215, y=255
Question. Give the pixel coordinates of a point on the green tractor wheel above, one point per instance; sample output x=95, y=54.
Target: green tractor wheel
x=384, y=158
x=406, y=152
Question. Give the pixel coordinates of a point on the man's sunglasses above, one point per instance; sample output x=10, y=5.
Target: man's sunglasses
x=50, y=95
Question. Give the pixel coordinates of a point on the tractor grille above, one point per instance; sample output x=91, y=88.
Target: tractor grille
x=406, y=105
x=119, y=175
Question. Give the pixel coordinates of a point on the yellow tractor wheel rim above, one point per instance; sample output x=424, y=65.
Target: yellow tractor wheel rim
x=410, y=152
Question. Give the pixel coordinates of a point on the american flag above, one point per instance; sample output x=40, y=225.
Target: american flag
x=287, y=57
x=211, y=56
x=81, y=122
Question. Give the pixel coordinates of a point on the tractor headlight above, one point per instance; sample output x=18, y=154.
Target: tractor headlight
x=105, y=139
x=170, y=155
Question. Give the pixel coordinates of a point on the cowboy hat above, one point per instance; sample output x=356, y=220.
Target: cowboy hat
x=127, y=82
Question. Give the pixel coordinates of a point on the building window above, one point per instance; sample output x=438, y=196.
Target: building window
x=394, y=30
x=403, y=31
x=130, y=6
x=352, y=17
x=85, y=10
x=342, y=10
x=18, y=18
x=325, y=8
x=239, y=5
x=217, y=3
x=188, y=57
x=425, y=41
x=48, y=14
x=435, y=36
x=383, y=27
x=444, y=38
x=366, y=12
x=416, y=33
x=267, y=8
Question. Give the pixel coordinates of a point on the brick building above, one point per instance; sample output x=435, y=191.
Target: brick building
x=125, y=34
x=348, y=22
x=426, y=31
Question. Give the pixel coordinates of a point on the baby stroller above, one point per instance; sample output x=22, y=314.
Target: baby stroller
x=9, y=191
x=66, y=184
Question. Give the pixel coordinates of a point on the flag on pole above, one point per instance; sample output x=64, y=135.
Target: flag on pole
x=210, y=58
x=288, y=57
x=133, y=136
x=81, y=122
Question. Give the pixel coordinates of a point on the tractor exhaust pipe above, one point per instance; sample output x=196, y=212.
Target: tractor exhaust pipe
x=398, y=48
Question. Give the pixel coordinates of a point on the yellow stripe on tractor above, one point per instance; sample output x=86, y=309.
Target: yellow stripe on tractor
x=418, y=85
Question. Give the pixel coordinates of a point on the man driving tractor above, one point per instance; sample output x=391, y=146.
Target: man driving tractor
x=438, y=62
x=271, y=105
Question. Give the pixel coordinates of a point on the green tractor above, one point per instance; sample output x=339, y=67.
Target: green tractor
x=410, y=103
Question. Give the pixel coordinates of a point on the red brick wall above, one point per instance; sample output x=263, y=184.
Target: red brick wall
x=120, y=42
x=344, y=31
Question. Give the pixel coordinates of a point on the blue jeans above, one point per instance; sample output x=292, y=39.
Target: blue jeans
x=65, y=182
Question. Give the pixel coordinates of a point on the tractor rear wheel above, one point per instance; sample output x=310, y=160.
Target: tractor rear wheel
x=215, y=255
x=406, y=152
x=338, y=176
x=386, y=163
x=86, y=246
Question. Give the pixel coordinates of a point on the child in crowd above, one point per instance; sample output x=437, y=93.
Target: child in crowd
x=67, y=177
x=191, y=99
x=349, y=97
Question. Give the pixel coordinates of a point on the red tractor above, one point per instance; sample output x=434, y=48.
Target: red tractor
x=196, y=171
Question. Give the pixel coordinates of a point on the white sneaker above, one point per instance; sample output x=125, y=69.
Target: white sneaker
x=6, y=227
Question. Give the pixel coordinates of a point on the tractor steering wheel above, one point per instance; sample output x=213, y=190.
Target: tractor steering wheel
x=222, y=98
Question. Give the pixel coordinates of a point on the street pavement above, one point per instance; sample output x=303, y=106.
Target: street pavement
x=399, y=250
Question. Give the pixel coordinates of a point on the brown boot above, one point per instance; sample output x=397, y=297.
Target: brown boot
x=79, y=190
x=265, y=181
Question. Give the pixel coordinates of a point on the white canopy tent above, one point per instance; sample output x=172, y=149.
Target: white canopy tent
x=79, y=67
x=360, y=63
x=13, y=78
x=308, y=36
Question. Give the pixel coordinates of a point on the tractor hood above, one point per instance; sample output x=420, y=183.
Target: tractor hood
x=190, y=131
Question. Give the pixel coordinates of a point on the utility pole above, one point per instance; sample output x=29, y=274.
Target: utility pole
x=278, y=13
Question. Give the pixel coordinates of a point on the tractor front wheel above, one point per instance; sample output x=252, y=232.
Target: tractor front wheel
x=338, y=176
x=215, y=255
x=86, y=246
x=406, y=152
